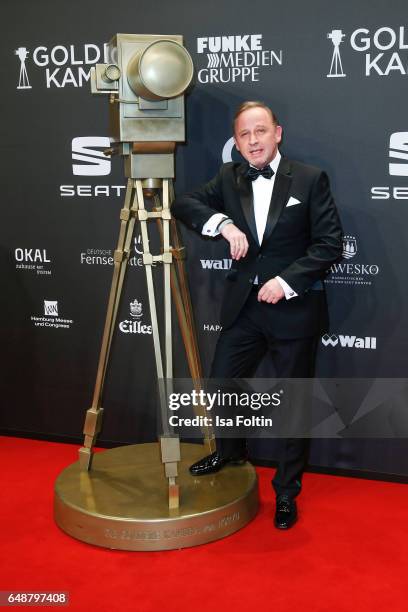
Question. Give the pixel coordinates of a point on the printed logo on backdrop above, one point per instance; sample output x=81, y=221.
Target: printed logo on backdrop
x=349, y=272
x=89, y=151
x=397, y=167
x=59, y=66
x=89, y=160
x=212, y=327
x=23, y=82
x=51, y=308
x=238, y=58
x=104, y=257
x=349, y=247
x=398, y=151
x=34, y=260
x=383, y=52
x=136, y=309
x=51, y=317
x=336, y=66
x=348, y=341
x=230, y=152
x=216, y=264
x=135, y=325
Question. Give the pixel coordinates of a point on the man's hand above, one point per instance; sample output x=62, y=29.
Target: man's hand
x=237, y=240
x=271, y=292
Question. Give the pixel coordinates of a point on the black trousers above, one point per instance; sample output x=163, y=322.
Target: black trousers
x=238, y=353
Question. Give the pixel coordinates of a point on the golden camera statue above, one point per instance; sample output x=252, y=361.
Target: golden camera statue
x=121, y=503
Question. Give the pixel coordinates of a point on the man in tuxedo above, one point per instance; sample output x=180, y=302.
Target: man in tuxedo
x=283, y=230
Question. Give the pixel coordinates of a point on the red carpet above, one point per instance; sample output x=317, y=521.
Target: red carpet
x=348, y=552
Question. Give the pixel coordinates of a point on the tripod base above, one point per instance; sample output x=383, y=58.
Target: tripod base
x=123, y=502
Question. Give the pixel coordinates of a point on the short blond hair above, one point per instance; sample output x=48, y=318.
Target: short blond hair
x=253, y=104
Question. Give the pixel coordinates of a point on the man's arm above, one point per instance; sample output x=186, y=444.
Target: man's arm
x=196, y=210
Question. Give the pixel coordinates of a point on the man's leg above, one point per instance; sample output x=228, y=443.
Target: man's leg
x=238, y=352
x=292, y=359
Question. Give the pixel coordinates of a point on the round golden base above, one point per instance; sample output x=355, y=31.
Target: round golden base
x=122, y=502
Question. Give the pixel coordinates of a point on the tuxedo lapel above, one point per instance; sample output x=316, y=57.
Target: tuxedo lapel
x=247, y=200
x=279, y=196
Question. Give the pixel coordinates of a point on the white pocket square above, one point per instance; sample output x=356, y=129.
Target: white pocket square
x=292, y=201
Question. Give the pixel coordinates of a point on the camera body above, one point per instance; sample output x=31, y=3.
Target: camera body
x=336, y=36
x=147, y=76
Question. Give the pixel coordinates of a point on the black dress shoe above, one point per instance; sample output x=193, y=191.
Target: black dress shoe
x=214, y=463
x=286, y=512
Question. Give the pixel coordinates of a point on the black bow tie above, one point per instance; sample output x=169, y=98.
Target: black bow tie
x=253, y=173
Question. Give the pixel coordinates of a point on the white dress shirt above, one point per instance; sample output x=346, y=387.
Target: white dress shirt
x=262, y=192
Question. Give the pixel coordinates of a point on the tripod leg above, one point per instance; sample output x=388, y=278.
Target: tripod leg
x=167, y=261
x=170, y=446
x=339, y=62
x=93, y=420
x=148, y=262
x=124, y=263
x=184, y=310
x=170, y=454
x=169, y=443
x=182, y=299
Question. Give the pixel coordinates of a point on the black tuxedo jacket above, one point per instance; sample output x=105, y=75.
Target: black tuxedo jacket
x=301, y=241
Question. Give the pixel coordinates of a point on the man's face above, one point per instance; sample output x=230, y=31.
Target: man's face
x=256, y=136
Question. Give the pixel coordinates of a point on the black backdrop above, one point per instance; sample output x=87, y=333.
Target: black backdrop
x=60, y=210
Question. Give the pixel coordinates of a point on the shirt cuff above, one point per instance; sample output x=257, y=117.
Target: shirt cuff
x=289, y=293
x=210, y=228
